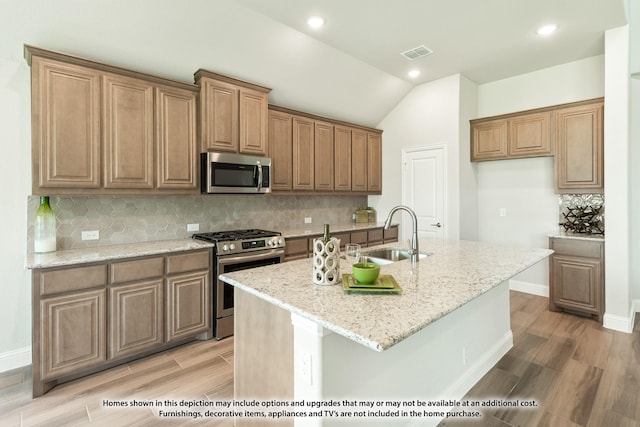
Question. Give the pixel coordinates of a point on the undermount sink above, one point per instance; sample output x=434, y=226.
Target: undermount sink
x=389, y=255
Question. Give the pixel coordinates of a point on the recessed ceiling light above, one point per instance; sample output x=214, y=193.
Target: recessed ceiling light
x=315, y=22
x=414, y=73
x=545, y=30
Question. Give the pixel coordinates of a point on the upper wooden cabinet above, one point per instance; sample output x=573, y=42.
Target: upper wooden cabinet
x=281, y=150
x=303, y=154
x=325, y=155
x=342, y=158
x=513, y=136
x=374, y=162
x=233, y=114
x=579, y=164
x=65, y=125
x=100, y=129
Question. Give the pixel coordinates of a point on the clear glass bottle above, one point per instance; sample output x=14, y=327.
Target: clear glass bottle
x=44, y=228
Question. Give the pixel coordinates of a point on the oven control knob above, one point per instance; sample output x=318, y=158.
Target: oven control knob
x=225, y=248
x=232, y=247
x=281, y=241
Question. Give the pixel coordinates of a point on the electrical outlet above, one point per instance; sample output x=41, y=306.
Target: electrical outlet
x=503, y=211
x=305, y=368
x=91, y=235
x=307, y=220
x=193, y=227
x=465, y=355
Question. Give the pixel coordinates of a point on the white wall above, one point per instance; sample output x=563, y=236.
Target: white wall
x=428, y=115
x=616, y=181
x=634, y=141
x=525, y=187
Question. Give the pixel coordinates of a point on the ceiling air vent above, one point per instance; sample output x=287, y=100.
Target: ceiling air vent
x=417, y=52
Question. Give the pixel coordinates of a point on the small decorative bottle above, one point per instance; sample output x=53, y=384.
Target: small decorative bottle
x=44, y=234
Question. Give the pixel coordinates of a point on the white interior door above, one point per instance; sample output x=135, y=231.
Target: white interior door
x=424, y=190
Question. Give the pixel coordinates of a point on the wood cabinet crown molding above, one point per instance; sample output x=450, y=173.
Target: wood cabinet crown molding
x=273, y=107
x=201, y=73
x=31, y=51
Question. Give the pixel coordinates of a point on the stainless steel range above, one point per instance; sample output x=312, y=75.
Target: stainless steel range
x=237, y=250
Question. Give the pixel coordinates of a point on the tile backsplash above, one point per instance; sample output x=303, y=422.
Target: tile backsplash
x=127, y=219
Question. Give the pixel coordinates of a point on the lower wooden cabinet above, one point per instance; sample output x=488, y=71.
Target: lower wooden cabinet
x=302, y=247
x=92, y=317
x=576, y=277
x=188, y=305
x=136, y=318
x=72, y=332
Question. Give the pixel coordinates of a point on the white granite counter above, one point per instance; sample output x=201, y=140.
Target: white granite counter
x=576, y=236
x=456, y=273
x=111, y=252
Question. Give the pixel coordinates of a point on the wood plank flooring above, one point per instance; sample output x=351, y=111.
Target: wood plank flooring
x=579, y=373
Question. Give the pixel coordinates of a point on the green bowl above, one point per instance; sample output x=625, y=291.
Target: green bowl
x=366, y=272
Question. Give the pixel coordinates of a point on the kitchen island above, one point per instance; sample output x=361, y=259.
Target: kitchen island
x=308, y=343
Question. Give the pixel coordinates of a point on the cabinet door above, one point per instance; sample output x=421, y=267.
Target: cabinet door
x=253, y=122
x=65, y=125
x=219, y=116
x=580, y=149
x=128, y=132
x=296, y=248
x=303, y=154
x=72, y=333
x=358, y=160
x=188, y=309
x=342, y=165
x=374, y=162
x=136, y=318
x=323, y=156
x=177, y=165
x=489, y=140
x=281, y=150
x=576, y=283
x=530, y=135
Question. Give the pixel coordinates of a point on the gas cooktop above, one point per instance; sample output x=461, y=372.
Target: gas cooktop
x=238, y=241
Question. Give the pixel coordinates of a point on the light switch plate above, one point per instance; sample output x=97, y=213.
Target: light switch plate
x=193, y=227
x=307, y=220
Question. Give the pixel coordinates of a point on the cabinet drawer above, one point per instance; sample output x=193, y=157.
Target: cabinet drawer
x=359, y=237
x=128, y=271
x=72, y=279
x=579, y=248
x=296, y=248
x=374, y=236
x=391, y=235
x=188, y=262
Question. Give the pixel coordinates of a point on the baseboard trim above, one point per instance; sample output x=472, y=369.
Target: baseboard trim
x=529, y=288
x=619, y=323
x=14, y=359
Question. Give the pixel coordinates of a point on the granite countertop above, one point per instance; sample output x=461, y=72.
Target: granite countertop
x=111, y=252
x=561, y=234
x=455, y=273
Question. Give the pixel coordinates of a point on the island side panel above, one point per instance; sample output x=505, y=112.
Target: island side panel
x=442, y=361
x=263, y=353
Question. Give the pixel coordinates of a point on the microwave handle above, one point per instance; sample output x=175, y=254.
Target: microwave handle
x=259, y=177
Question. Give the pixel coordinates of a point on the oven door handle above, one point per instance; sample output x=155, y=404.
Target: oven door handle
x=234, y=259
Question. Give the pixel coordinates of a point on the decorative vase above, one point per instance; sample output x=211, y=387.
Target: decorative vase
x=44, y=234
x=326, y=259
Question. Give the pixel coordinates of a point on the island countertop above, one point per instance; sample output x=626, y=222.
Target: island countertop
x=455, y=273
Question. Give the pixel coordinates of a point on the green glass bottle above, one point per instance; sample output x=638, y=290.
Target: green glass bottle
x=326, y=236
x=44, y=228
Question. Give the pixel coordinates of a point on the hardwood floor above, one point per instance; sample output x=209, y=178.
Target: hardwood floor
x=579, y=373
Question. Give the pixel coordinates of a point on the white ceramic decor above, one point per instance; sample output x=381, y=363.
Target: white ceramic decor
x=326, y=261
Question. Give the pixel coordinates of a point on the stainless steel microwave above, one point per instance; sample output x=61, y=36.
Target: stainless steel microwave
x=235, y=173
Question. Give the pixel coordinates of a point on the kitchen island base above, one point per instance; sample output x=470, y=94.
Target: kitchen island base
x=441, y=361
